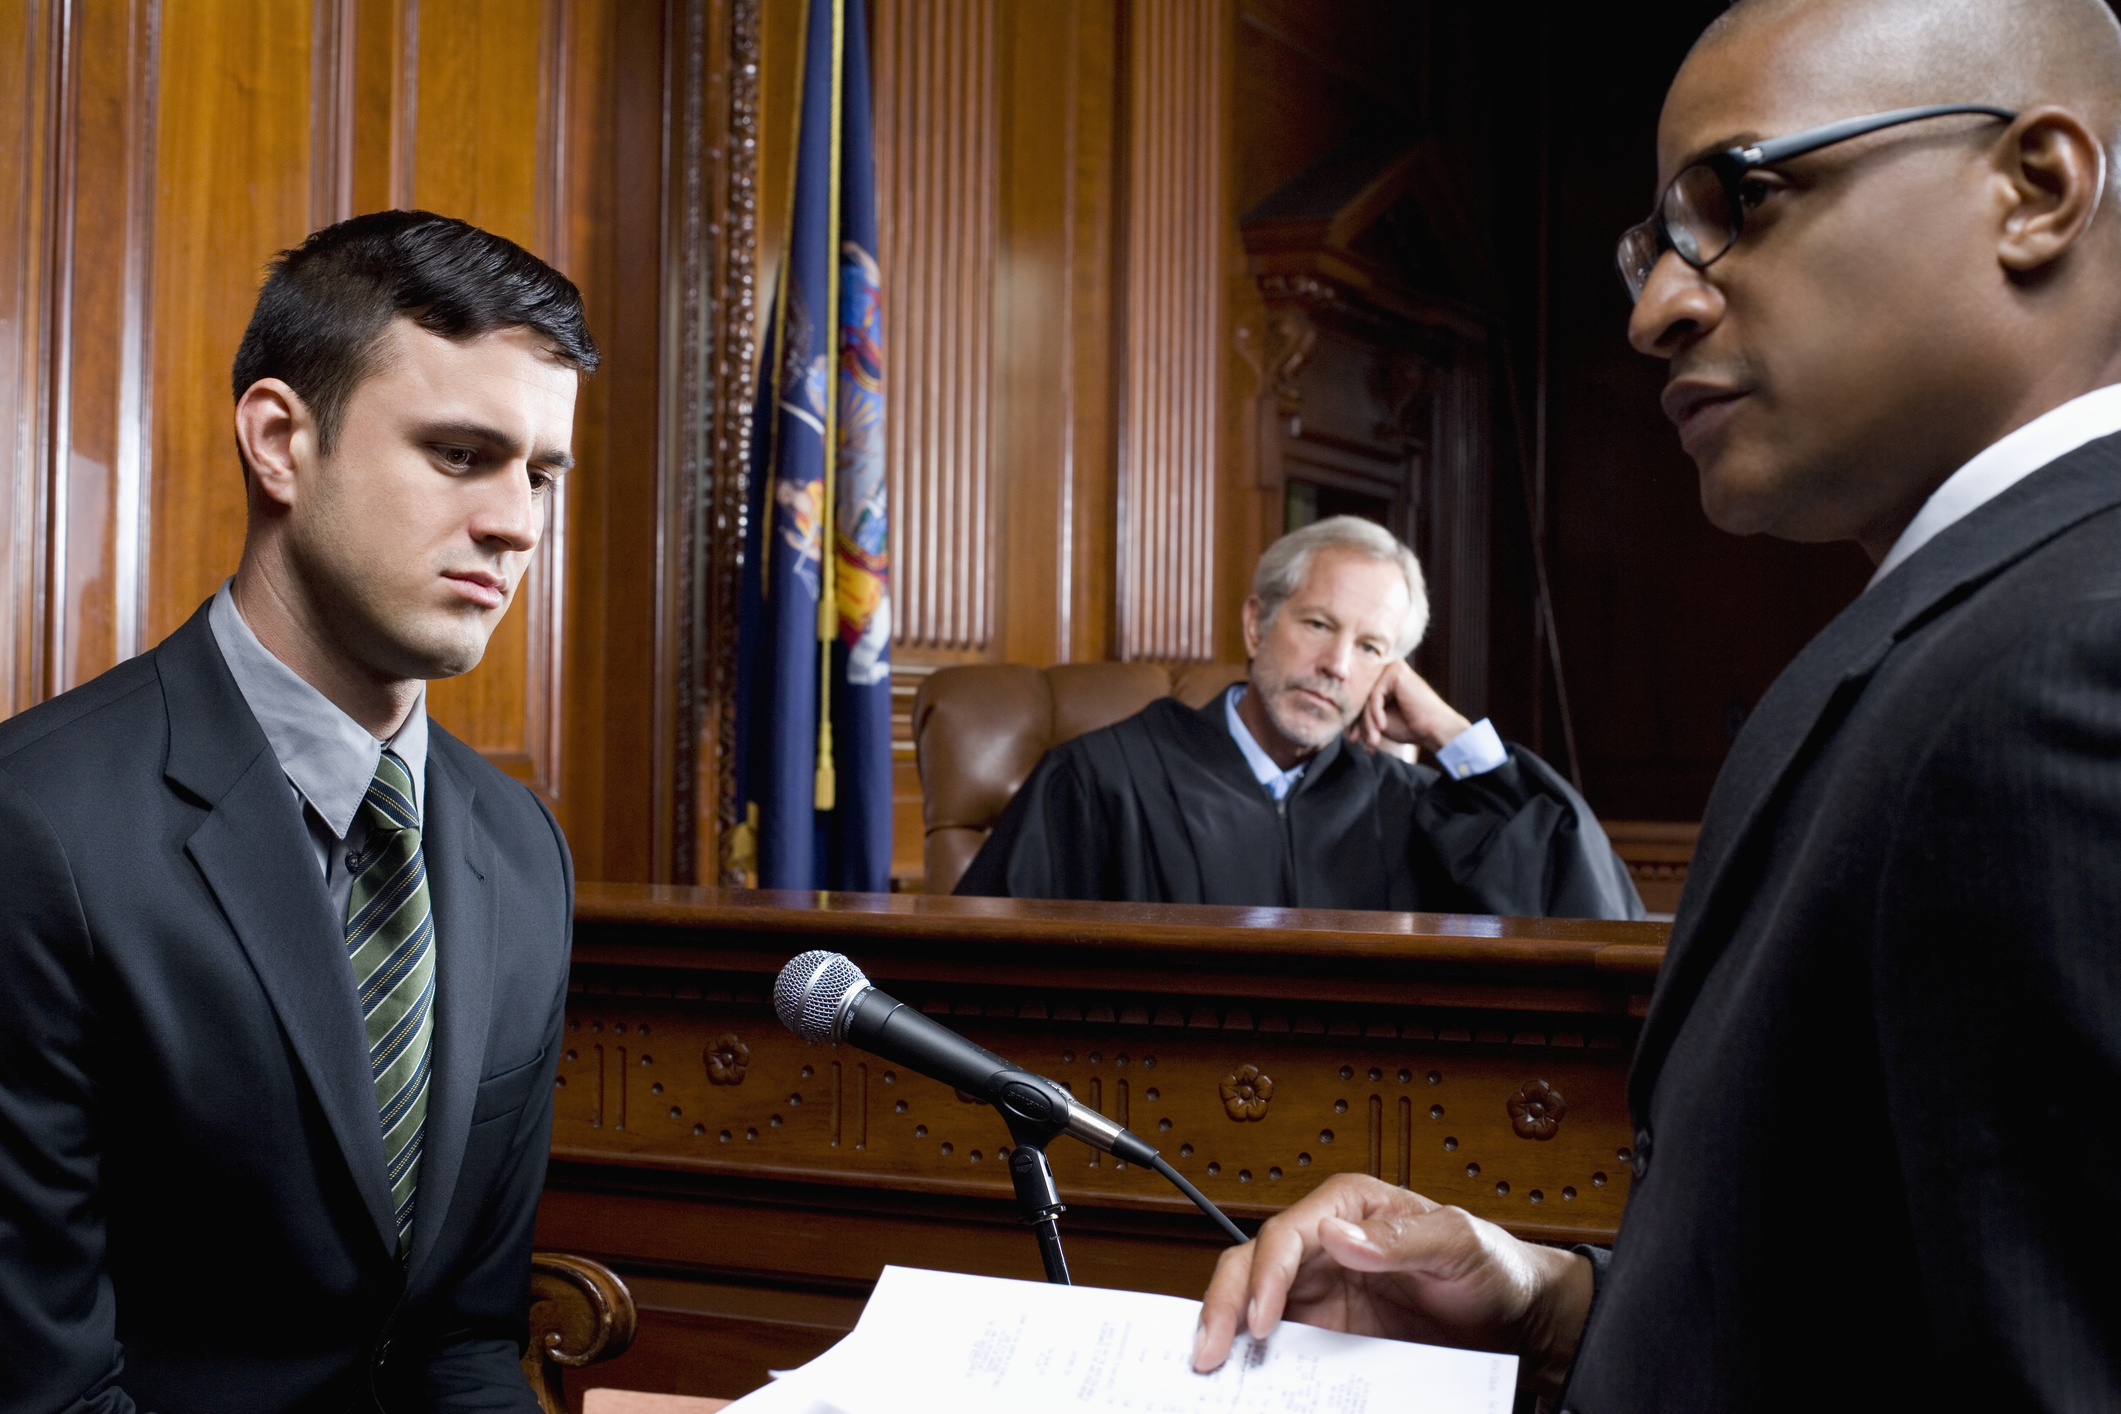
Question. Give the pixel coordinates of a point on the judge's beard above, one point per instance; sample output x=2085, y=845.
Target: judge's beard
x=1294, y=718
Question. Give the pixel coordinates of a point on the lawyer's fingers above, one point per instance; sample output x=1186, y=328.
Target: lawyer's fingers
x=1253, y=1283
x=1223, y=1307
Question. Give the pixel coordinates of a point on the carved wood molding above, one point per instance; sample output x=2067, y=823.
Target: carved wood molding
x=734, y=230
x=1256, y=1102
x=709, y=355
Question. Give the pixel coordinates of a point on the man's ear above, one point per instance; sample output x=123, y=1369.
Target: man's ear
x=1255, y=623
x=277, y=437
x=2055, y=168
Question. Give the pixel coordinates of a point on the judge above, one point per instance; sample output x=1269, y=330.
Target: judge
x=1276, y=793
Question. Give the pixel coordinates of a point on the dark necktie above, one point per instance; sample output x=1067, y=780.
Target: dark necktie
x=390, y=941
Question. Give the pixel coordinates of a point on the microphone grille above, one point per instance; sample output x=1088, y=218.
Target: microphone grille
x=808, y=994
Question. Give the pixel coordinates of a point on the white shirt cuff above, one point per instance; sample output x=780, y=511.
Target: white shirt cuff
x=1473, y=752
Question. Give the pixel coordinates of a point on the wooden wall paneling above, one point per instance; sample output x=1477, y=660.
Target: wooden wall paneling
x=483, y=148
x=1053, y=330
x=1090, y=427
x=107, y=229
x=692, y=422
x=334, y=52
x=938, y=118
x=1034, y=334
x=615, y=178
x=232, y=158
x=31, y=44
x=79, y=161
x=608, y=840
x=379, y=101
x=939, y=121
x=153, y=159
x=1170, y=418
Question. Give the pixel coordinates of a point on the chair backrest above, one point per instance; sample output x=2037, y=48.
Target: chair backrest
x=978, y=731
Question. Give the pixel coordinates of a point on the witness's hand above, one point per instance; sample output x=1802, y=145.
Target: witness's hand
x=1404, y=708
x=1363, y=1256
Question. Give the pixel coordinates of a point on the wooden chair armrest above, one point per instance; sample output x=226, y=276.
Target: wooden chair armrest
x=580, y=1313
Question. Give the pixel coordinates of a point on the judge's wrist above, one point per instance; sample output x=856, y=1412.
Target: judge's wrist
x=1435, y=733
x=1553, y=1326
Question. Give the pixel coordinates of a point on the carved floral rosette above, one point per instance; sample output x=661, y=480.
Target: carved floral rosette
x=1537, y=1110
x=1246, y=1092
x=727, y=1060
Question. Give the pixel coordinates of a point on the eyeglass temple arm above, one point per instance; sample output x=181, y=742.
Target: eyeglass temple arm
x=1781, y=149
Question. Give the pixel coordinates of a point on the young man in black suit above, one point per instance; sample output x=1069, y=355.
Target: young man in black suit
x=1869, y=1170
x=282, y=963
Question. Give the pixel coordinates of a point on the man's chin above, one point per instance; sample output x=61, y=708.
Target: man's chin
x=1310, y=733
x=1739, y=496
x=440, y=657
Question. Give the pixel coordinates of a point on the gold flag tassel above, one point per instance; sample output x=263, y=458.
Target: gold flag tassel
x=828, y=621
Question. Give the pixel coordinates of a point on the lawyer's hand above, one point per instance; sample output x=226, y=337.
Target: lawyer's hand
x=1363, y=1256
x=1404, y=708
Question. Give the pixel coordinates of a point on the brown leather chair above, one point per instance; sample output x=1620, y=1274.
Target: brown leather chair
x=978, y=731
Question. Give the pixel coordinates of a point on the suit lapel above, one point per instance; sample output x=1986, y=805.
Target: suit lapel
x=253, y=850
x=460, y=882
x=1815, y=693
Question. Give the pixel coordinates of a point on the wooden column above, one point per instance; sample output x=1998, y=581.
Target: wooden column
x=1456, y=556
x=937, y=126
x=76, y=172
x=1170, y=411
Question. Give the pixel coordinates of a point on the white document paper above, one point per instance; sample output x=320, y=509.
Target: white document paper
x=942, y=1343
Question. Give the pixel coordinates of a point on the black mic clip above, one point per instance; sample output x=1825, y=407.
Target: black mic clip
x=1036, y=1111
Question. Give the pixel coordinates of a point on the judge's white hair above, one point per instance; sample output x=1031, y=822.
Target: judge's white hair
x=1288, y=560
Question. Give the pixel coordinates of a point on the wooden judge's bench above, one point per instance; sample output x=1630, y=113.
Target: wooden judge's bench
x=750, y=1186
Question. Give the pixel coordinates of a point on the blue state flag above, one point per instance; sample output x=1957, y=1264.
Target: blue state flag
x=814, y=693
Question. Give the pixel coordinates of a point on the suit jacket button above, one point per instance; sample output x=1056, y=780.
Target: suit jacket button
x=382, y=1355
x=1639, y=1162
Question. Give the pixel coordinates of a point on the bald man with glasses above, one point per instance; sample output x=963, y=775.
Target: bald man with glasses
x=1869, y=1168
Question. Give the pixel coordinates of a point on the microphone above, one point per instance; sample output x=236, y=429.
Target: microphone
x=823, y=997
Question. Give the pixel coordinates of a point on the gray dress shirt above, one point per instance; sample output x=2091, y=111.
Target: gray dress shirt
x=329, y=758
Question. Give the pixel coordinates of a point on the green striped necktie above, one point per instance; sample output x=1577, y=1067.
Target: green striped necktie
x=390, y=940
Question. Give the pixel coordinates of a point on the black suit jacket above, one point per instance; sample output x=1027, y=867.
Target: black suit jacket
x=193, y=1211
x=1877, y=1154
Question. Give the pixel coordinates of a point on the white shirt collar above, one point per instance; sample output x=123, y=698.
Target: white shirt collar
x=1277, y=781
x=329, y=757
x=2055, y=433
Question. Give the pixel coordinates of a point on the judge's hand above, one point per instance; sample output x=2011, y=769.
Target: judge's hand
x=1404, y=708
x=1363, y=1256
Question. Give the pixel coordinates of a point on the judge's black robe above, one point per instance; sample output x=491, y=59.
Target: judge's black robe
x=1164, y=808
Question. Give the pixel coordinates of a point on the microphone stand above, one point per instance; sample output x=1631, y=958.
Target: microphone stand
x=1036, y=1194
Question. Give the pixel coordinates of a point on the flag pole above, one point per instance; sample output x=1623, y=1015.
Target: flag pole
x=828, y=623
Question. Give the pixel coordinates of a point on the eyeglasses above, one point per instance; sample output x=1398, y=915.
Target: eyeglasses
x=1703, y=211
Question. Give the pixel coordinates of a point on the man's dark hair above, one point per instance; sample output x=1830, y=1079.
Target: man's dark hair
x=327, y=303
